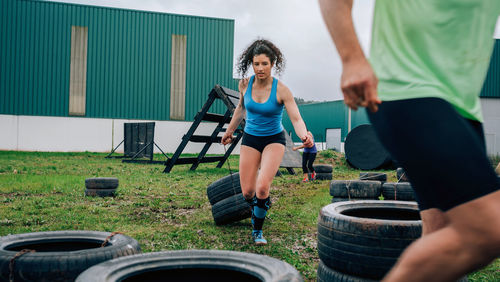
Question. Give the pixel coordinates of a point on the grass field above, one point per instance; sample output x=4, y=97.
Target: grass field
x=45, y=192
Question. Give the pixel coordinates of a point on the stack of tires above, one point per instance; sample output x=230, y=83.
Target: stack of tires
x=360, y=241
x=401, y=190
x=401, y=175
x=375, y=176
x=323, y=172
x=59, y=255
x=352, y=190
x=228, y=204
x=101, y=186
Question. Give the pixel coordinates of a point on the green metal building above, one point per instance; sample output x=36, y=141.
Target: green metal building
x=319, y=117
x=491, y=87
x=64, y=60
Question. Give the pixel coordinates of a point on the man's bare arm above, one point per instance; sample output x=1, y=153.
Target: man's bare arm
x=358, y=82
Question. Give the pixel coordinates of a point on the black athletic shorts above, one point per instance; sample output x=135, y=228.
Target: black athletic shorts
x=260, y=142
x=443, y=153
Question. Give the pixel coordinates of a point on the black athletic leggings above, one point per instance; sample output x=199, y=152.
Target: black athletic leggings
x=307, y=162
x=443, y=153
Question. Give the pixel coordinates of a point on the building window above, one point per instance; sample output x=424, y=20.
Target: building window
x=178, y=78
x=78, y=70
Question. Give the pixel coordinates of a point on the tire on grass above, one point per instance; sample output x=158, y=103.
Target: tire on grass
x=398, y=191
x=231, y=209
x=364, y=189
x=100, y=192
x=401, y=175
x=60, y=255
x=223, y=188
x=326, y=274
x=339, y=199
x=192, y=265
x=322, y=168
x=101, y=183
x=365, y=238
x=322, y=176
x=373, y=176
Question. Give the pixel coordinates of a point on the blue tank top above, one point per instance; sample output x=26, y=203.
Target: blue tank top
x=263, y=119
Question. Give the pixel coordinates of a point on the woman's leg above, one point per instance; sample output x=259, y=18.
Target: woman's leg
x=269, y=165
x=310, y=161
x=305, y=171
x=270, y=162
x=249, y=165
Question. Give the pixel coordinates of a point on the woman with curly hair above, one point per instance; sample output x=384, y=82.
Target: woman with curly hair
x=262, y=98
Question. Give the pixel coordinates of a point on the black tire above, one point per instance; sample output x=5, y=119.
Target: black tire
x=365, y=238
x=100, y=192
x=101, y=183
x=223, y=188
x=192, y=265
x=321, y=168
x=339, y=199
x=322, y=176
x=401, y=175
x=326, y=274
x=60, y=255
x=398, y=191
x=373, y=176
x=231, y=209
x=365, y=189
x=363, y=149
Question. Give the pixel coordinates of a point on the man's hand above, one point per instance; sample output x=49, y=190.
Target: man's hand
x=359, y=85
x=358, y=82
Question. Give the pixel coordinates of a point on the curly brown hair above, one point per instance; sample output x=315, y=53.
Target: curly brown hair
x=259, y=47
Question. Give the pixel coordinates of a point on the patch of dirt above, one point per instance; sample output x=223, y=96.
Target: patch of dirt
x=185, y=212
x=22, y=194
x=331, y=157
x=170, y=215
x=305, y=244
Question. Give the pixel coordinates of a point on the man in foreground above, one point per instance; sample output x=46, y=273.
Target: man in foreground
x=428, y=63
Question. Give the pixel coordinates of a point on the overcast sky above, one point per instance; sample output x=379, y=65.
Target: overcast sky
x=313, y=67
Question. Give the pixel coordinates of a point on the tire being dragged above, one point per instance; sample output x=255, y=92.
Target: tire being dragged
x=231, y=209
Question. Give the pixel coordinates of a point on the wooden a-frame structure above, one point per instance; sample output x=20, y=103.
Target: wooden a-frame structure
x=231, y=99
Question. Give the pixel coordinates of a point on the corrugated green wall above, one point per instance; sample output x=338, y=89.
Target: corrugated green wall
x=320, y=116
x=128, y=71
x=491, y=87
x=317, y=117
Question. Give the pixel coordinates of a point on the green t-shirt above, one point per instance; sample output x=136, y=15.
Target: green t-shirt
x=434, y=48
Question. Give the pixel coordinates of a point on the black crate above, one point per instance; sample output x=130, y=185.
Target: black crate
x=138, y=135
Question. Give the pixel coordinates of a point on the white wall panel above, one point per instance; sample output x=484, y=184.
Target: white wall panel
x=62, y=134
x=491, y=114
x=8, y=132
